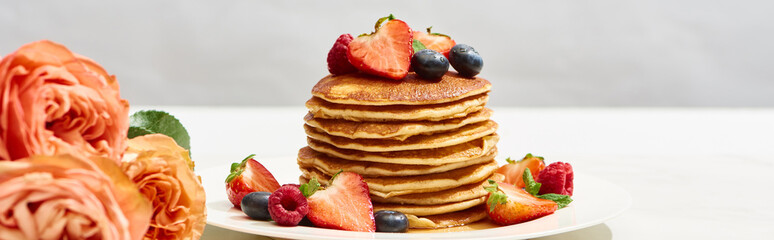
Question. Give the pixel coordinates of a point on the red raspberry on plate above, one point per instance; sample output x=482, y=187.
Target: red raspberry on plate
x=338, y=63
x=287, y=206
x=556, y=178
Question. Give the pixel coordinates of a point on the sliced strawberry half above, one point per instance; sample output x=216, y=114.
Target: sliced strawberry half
x=345, y=204
x=248, y=176
x=386, y=52
x=510, y=205
x=513, y=170
x=438, y=42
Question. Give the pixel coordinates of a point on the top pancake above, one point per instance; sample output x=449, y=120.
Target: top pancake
x=363, y=89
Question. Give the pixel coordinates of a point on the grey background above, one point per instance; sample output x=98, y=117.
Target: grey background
x=682, y=53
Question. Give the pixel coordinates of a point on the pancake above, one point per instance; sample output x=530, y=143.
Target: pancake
x=387, y=187
x=423, y=141
x=452, y=219
x=364, y=89
x=438, y=156
x=308, y=157
x=425, y=210
x=392, y=130
x=458, y=194
x=433, y=112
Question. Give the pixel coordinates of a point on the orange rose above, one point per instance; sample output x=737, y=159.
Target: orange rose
x=164, y=173
x=66, y=197
x=53, y=101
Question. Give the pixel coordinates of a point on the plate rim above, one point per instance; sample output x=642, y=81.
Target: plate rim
x=342, y=234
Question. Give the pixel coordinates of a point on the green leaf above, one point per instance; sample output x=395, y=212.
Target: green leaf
x=153, y=121
x=492, y=186
x=382, y=20
x=417, y=45
x=509, y=160
x=497, y=196
x=529, y=155
x=307, y=189
x=237, y=168
x=429, y=31
x=532, y=187
x=561, y=200
x=233, y=175
x=136, y=131
x=334, y=176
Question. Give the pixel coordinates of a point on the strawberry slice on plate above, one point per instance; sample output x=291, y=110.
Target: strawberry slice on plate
x=435, y=41
x=386, y=52
x=345, y=204
x=510, y=205
x=248, y=176
x=513, y=170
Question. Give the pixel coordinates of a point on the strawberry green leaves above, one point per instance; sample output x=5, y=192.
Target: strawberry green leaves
x=533, y=187
x=528, y=156
x=417, y=45
x=307, y=189
x=497, y=197
x=238, y=168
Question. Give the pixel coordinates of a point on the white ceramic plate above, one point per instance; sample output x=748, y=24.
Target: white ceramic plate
x=594, y=201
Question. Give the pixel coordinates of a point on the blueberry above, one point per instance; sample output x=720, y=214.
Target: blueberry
x=256, y=205
x=465, y=60
x=391, y=221
x=429, y=64
x=306, y=222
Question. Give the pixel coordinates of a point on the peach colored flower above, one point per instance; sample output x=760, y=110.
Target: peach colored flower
x=67, y=197
x=164, y=173
x=53, y=101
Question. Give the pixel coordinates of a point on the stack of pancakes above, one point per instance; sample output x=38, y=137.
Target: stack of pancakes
x=425, y=148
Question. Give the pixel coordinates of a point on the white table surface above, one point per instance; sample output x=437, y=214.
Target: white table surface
x=692, y=173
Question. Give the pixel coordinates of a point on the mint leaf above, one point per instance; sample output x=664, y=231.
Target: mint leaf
x=417, y=45
x=561, y=200
x=532, y=186
x=153, y=121
x=307, y=189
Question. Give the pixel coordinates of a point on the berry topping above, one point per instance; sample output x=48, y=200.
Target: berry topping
x=287, y=206
x=386, y=52
x=556, y=178
x=345, y=204
x=256, y=205
x=337, y=56
x=465, y=60
x=514, y=169
x=510, y=205
x=391, y=221
x=429, y=64
x=246, y=177
x=435, y=41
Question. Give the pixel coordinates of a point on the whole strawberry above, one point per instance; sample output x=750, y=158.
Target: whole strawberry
x=556, y=178
x=337, y=56
x=248, y=176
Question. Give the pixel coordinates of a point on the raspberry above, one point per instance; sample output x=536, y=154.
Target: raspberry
x=556, y=178
x=337, y=57
x=287, y=206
